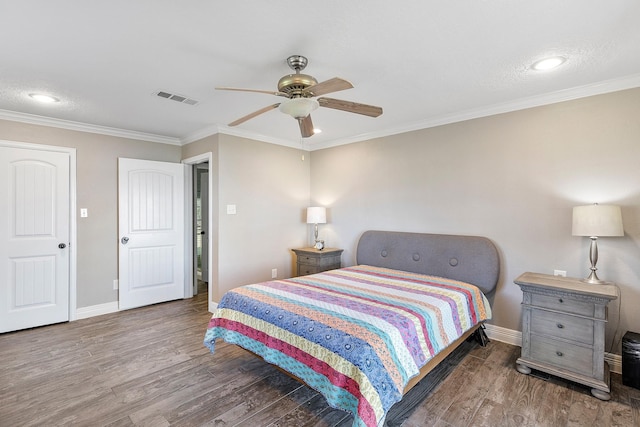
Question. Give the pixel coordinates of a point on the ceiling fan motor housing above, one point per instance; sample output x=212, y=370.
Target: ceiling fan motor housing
x=294, y=84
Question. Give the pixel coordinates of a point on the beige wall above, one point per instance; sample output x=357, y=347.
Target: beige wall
x=269, y=184
x=97, y=190
x=513, y=178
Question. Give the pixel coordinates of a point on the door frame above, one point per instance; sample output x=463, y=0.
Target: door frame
x=191, y=273
x=72, y=212
x=197, y=182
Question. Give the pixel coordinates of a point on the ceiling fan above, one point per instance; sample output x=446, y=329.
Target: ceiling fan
x=300, y=91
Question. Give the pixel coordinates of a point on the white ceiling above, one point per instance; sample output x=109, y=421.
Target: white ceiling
x=424, y=62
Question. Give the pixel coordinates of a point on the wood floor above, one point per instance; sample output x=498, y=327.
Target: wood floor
x=148, y=367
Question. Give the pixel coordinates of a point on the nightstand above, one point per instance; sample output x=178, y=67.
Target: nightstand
x=311, y=260
x=563, y=325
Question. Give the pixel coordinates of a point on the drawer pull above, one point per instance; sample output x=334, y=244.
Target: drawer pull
x=560, y=326
x=559, y=353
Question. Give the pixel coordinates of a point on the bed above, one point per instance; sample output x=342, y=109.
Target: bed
x=363, y=336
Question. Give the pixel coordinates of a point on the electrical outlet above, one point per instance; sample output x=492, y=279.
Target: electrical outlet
x=560, y=273
x=84, y=212
x=115, y=284
x=274, y=273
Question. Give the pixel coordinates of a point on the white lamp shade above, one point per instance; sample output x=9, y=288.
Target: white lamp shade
x=298, y=108
x=597, y=221
x=316, y=215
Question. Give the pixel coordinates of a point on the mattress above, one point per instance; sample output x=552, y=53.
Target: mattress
x=357, y=335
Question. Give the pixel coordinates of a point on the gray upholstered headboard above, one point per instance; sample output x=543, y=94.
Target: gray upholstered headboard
x=470, y=259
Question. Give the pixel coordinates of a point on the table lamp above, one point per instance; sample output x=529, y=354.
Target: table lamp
x=596, y=221
x=317, y=215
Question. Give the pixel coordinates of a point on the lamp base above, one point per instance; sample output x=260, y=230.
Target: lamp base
x=593, y=258
x=593, y=278
x=594, y=281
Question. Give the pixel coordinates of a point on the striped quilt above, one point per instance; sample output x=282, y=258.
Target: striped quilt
x=356, y=335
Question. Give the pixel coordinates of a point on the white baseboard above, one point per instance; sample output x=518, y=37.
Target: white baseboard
x=509, y=336
x=614, y=361
x=96, y=310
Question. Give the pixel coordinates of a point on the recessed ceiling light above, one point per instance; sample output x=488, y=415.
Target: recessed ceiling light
x=44, y=98
x=316, y=130
x=548, y=63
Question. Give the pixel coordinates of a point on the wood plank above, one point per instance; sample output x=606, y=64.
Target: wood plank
x=148, y=367
x=553, y=406
x=489, y=414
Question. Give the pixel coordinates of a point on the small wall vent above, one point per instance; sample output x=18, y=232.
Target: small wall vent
x=175, y=97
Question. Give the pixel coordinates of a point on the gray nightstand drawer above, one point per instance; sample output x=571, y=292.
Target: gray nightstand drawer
x=308, y=260
x=304, y=269
x=562, y=354
x=564, y=304
x=564, y=326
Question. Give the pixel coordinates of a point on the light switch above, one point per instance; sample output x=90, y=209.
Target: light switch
x=84, y=212
x=231, y=209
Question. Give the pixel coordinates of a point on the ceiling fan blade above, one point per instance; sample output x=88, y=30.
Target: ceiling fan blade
x=351, y=107
x=332, y=85
x=254, y=114
x=306, y=126
x=268, y=92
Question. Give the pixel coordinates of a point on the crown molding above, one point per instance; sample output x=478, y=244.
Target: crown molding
x=200, y=134
x=234, y=131
x=608, y=86
x=86, y=127
x=600, y=88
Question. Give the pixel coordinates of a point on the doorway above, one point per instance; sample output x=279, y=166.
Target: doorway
x=201, y=211
x=200, y=194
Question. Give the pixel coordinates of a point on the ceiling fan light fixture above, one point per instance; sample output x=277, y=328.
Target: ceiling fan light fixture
x=298, y=108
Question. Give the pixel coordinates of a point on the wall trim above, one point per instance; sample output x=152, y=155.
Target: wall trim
x=509, y=336
x=86, y=127
x=96, y=310
x=212, y=306
x=584, y=91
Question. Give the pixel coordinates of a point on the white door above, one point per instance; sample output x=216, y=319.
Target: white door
x=34, y=238
x=151, y=232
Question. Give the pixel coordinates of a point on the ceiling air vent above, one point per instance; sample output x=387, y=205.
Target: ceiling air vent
x=175, y=97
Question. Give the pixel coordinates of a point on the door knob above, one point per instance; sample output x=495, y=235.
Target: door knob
x=202, y=232
x=124, y=240
x=62, y=246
